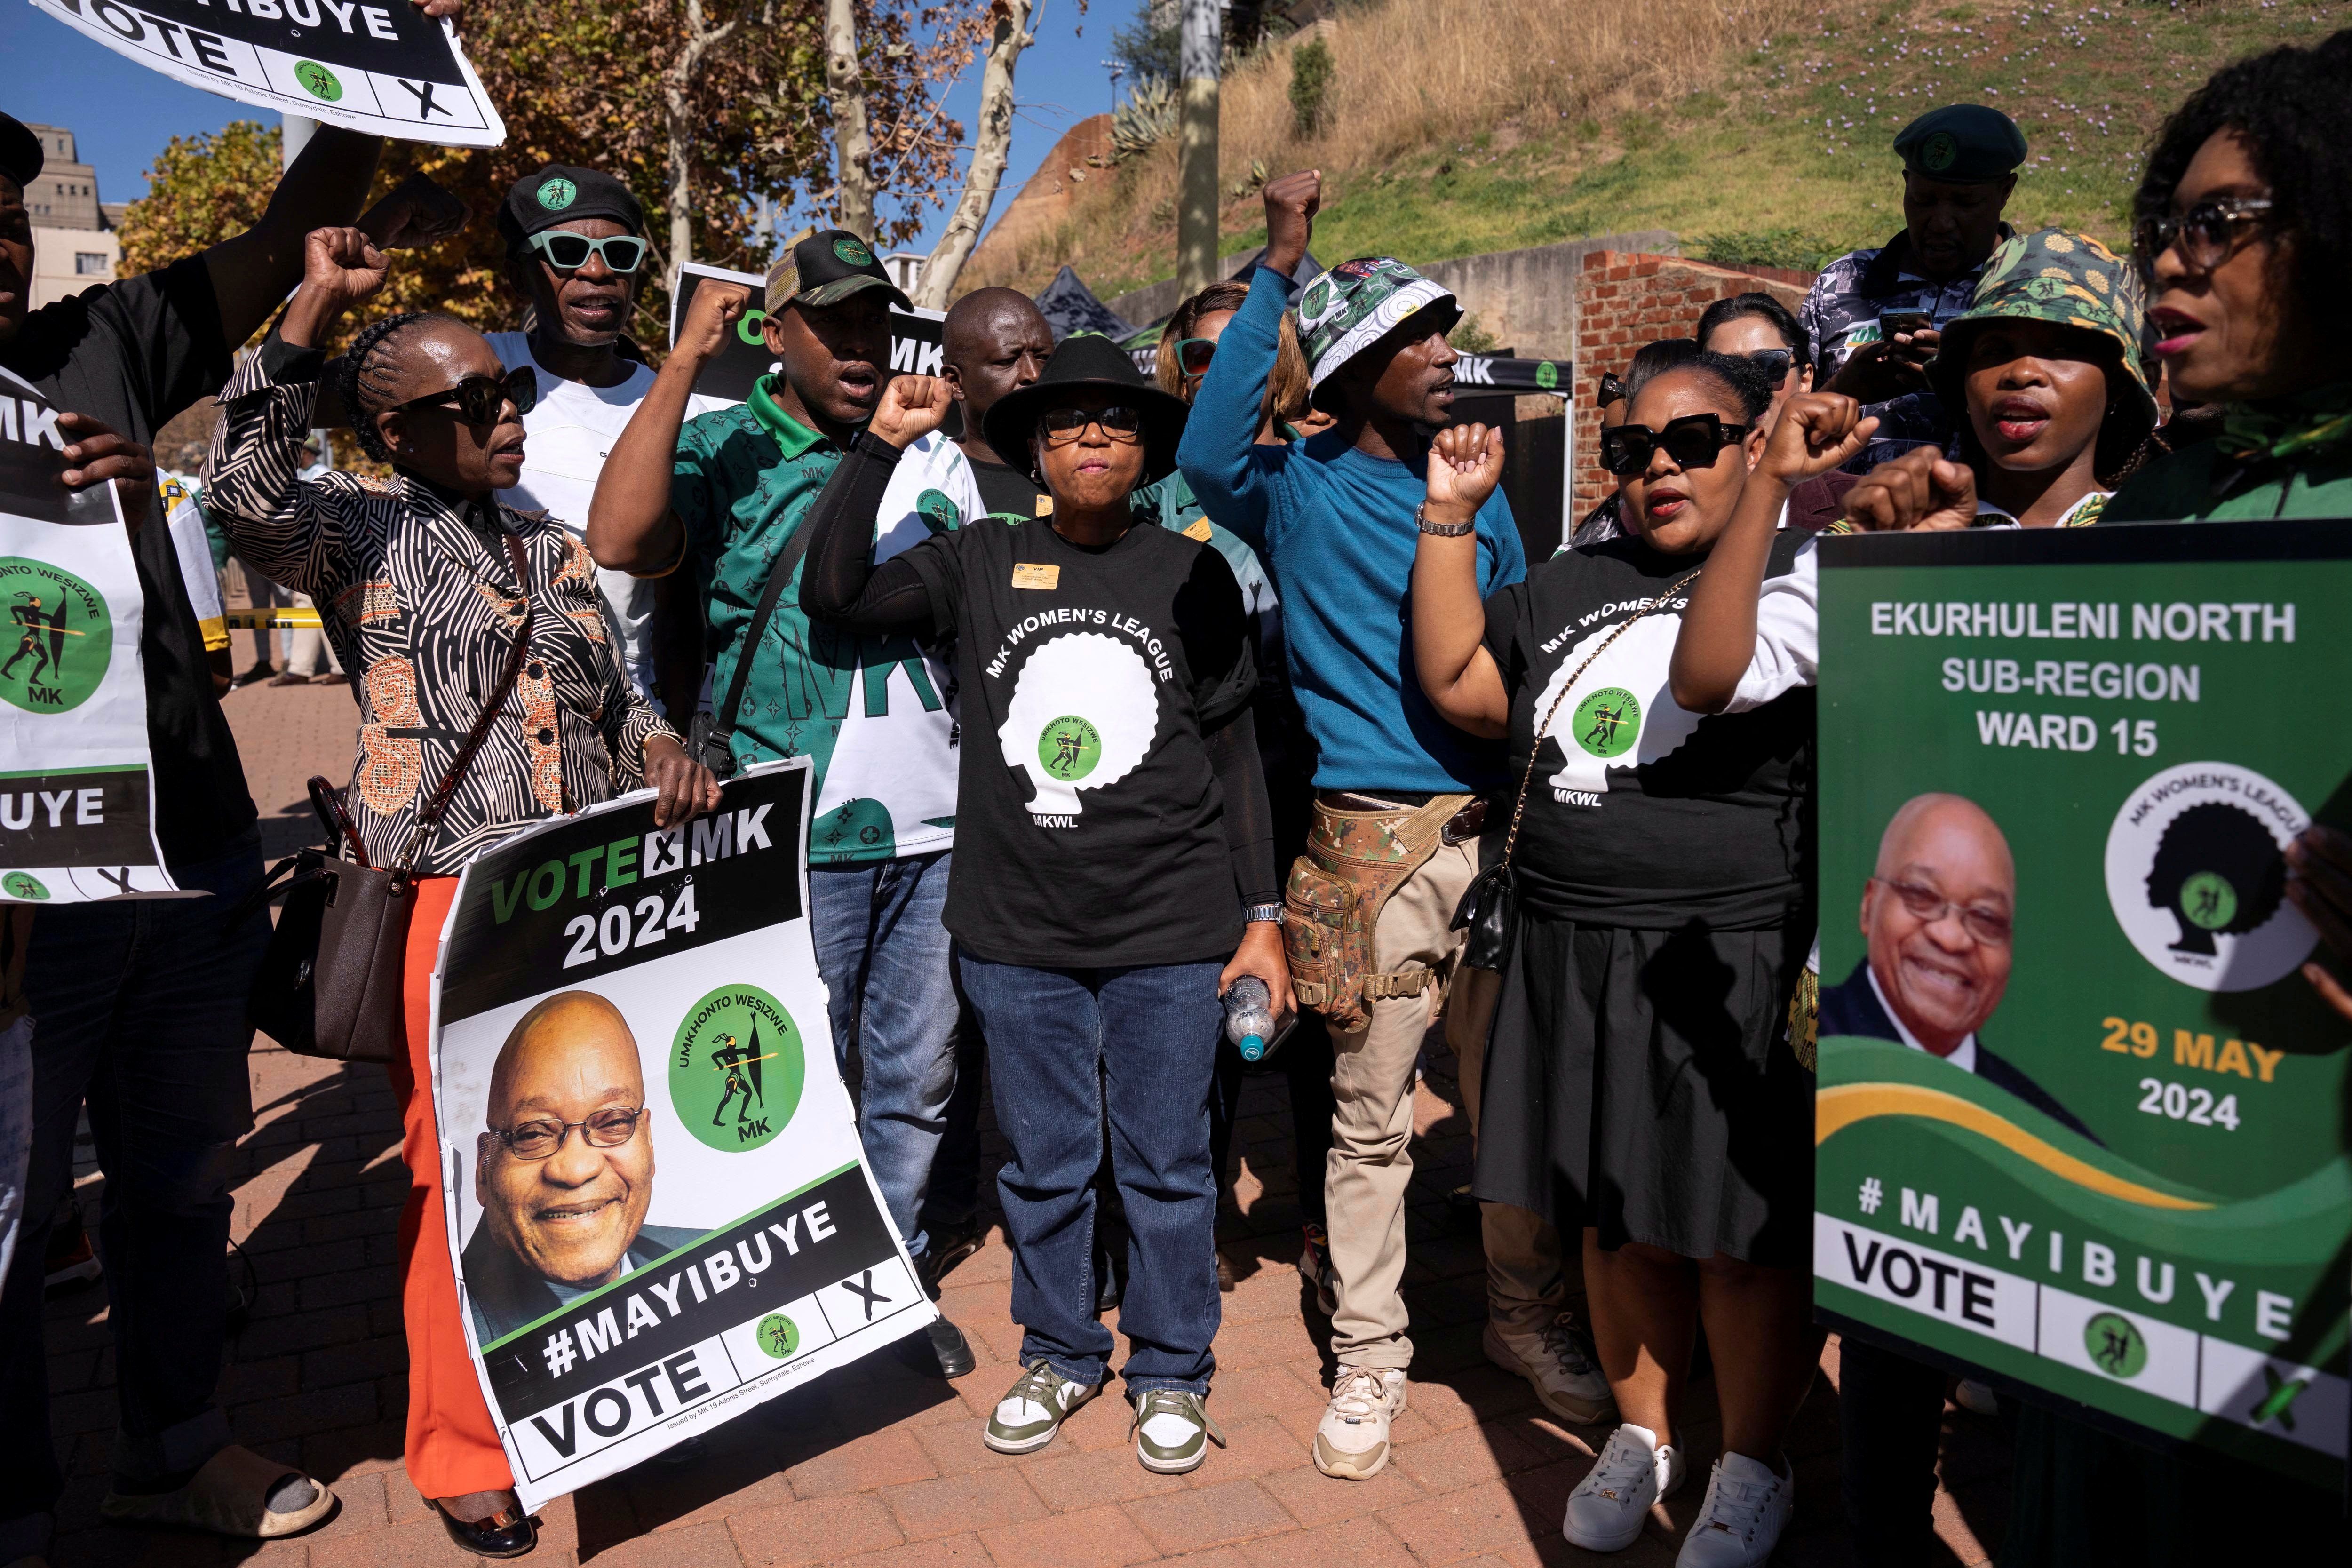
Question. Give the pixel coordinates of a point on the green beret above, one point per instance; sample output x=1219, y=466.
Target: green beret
x=1961, y=144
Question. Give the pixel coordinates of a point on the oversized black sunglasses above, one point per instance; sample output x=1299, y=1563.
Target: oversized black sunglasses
x=1774, y=363
x=1120, y=421
x=480, y=398
x=1693, y=441
x=569, y=252
x=1611, y=390
x=2206, y=232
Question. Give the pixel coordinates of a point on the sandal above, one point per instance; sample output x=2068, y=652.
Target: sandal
x=231, y=1494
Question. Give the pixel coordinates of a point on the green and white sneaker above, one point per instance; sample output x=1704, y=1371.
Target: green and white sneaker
x=1034, y=1409
x=1173, y=1430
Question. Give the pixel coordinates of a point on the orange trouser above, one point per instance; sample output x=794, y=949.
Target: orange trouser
x=453, y=1448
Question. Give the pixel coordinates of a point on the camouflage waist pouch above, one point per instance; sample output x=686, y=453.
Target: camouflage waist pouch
x=1354, y=861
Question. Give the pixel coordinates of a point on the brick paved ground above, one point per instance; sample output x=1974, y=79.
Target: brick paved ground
x=874, y=1465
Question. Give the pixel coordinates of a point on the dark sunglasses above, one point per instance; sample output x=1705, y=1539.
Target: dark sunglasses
x=1611, y=389
x=1774, y=362
x=480, y=399
x=1694, y=441
x=2206, y=232
x=1193, y=354
x=569, y=252
x=1063, y=426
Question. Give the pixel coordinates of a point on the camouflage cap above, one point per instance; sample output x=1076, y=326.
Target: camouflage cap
x=2059, y=276
x=1356, y=304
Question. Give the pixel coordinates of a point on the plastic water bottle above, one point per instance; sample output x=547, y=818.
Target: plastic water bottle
x=1249, y=1017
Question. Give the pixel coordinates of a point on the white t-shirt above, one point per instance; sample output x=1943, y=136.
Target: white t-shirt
x=902, y=758
x=566, y=439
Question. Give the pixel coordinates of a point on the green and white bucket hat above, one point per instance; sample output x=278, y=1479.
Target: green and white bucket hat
x=1357, y=303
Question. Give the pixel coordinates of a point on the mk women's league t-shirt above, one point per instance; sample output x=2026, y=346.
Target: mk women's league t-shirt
x=1089, y=829
x=1641, y=813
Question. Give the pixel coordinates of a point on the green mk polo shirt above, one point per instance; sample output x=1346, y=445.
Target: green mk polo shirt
x=869, y=710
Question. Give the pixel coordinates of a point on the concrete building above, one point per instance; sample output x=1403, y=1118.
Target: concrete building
x=74, y=242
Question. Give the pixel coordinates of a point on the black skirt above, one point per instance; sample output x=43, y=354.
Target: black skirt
x=1641, y=1082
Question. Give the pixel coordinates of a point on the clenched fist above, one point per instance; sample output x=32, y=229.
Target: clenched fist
x=1291, y=203
x=911, y=408
x=1465, y=464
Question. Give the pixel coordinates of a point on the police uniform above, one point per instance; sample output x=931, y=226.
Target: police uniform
x=1960, y=144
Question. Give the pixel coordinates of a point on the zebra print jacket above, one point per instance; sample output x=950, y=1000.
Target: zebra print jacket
x=418, y=596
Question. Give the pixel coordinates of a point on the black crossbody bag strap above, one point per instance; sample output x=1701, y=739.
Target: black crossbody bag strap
x=788, y=560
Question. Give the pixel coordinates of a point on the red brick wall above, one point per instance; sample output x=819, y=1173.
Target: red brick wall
x=1625, y=300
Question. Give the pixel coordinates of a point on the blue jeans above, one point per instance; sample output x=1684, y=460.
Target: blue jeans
x=884, y=956
x=1063, y=1046
x=139, y=1006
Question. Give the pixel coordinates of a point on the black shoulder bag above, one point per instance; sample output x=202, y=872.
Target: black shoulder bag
x=333, y=982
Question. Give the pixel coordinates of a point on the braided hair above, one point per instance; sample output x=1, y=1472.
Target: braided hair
x=370, y=376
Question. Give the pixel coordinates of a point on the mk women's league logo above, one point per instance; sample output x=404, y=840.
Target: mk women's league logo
x=736, y=1068
x=58, y=638
x=1069, y=748
x=1607, y=721
x=2197, y=876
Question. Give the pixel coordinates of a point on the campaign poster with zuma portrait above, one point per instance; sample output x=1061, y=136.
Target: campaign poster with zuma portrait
x=2080, y=1122
x=657, y=1209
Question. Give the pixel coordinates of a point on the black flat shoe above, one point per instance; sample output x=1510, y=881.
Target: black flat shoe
x=939, y=1351
x=1107, y=1291
x=510, y=1533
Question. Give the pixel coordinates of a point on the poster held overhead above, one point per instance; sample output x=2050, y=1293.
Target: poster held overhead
x=658, y=1212
x=2078, y=1115
x=76, y=810
x=385, y=67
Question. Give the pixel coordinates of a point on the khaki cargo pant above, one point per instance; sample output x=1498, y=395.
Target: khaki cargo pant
x=1371, y=1163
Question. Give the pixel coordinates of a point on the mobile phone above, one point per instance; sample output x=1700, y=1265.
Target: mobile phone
x=1892, y=321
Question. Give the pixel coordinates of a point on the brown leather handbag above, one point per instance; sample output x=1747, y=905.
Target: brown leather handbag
x=333, y=982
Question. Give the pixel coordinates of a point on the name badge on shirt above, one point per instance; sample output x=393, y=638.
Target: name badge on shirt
x=1199, y=531
x=1035, y=576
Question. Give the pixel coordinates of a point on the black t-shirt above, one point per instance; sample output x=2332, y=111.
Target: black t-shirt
x=133, y=355
x=1089, y=827
x=1007, y=489
x=1643, y=814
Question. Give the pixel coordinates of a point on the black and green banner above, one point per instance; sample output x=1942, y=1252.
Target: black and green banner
x=2081, y=1123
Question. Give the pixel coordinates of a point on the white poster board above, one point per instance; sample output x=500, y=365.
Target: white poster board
x=76, y=798
x=729, y=1242
x=379, y=65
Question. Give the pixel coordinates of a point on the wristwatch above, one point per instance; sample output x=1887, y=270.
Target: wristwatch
x=1262, y=914
x=1440, y=529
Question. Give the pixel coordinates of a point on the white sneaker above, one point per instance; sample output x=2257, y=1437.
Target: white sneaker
x=1559, y=1365
x=1606, y=1511
x=1351, y=1441
x=1747, y=1508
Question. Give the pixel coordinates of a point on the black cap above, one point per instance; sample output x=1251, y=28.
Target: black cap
x=1090, y=360
x=1962, y=144
x=825, y=268
x=21, y=155
x=561, y=193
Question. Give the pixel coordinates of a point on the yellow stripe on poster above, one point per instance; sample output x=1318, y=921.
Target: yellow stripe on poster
x=271, y=620
x=1834, y=1109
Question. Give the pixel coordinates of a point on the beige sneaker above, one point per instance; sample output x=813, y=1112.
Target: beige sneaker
x=1559, y=1363
x=1351, y=1441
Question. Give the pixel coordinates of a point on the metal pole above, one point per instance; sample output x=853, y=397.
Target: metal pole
x=1202, y=43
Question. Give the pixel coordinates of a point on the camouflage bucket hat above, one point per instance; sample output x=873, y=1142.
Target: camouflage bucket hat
x=2059, y=276
x=1356, y=304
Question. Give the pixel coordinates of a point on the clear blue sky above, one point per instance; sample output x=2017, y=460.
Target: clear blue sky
x=123, y=113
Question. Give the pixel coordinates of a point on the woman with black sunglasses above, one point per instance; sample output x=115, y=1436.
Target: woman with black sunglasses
x=424, y=583
x=2244, y=233
x=1114, y=859
x=1637, y=1083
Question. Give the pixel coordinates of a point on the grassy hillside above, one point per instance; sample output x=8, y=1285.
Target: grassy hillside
x=1757, y=130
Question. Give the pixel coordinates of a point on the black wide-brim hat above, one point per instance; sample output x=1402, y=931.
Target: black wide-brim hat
x=1088, y=361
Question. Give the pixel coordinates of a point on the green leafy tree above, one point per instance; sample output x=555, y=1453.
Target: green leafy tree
x=1310, y=87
